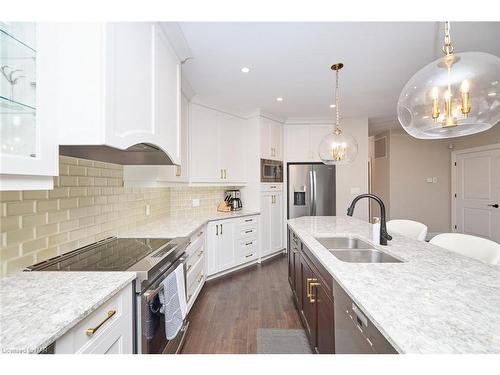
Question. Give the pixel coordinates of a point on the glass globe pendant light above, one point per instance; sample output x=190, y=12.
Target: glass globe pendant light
x=456, y=95
x=338, y=147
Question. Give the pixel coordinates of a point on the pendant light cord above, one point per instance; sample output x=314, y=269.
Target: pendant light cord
x=337, y=120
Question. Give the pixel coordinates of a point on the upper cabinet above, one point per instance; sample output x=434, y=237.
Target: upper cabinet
x=271, y=139
x=217, y=147
x=302, y=142
x=28, y=153
x=115, y=84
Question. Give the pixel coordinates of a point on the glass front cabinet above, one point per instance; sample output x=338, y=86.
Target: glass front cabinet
x=28, y=138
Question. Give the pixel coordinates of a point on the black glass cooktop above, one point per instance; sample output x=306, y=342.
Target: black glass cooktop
x=114, y=254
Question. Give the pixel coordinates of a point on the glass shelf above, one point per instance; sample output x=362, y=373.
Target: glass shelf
x=11, y=107
x=13, y=48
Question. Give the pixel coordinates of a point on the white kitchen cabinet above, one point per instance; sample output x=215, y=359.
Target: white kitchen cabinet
x=271, y=222
x=302, y=142
x=195, y=266
x=271, y=139
x=221, y=246
x=112, y=324
x=117, y=84
x=29, y=151
x=232, y=243
x=217, y=147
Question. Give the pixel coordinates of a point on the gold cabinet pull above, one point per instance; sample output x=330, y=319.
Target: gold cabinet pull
x=200, y=253
x=200, y=278
x=311, y=283
x=189, y=267
x=91, y=331
x=248, y=243
x=189, y=297
x=249, y=231
x=249, y=255
x=225, y=174
x=221, y=174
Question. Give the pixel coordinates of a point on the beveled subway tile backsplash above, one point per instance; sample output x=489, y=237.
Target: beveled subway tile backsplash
x=88, y=203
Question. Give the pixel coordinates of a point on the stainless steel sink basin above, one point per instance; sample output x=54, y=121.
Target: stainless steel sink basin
x=343, y=243
x=364, y=256
x=354, y=250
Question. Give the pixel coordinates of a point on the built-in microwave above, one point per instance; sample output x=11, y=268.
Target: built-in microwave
x=271, y=170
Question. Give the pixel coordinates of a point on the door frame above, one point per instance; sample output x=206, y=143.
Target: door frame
x=453, y=191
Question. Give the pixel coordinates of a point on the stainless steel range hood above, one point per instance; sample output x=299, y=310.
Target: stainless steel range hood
x=139, y=154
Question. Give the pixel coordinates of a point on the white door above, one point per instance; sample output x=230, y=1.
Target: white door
x=277, y=222
x=233, y=148
x=478, y=194
x=225, y=245
x=204, y=145
x=167, y=82
x=130, y=82
x=265, y=223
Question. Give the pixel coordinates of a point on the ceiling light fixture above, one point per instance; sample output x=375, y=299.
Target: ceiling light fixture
x=450, y=97
x=338, y=147
x=332, y=105
x=279, y=99
x=245, y=69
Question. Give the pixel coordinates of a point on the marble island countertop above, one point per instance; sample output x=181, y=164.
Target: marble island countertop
x=435, y=301
x=170, y=227
x=37, y=308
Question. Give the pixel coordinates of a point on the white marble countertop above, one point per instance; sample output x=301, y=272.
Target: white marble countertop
x=170, y=227
x=435, y=302
x=36, y=308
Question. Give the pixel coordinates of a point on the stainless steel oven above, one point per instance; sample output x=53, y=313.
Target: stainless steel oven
x=152, y=323
x=271, y=170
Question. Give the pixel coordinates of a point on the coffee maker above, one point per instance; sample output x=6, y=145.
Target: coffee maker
x=233, y=199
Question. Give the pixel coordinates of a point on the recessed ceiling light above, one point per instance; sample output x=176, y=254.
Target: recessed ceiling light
x=279, y=99
x=245, y=69
x=332, y=105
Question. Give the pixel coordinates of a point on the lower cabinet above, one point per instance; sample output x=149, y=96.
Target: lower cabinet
x=272, y=220
x=231, y=243
x=195, y=266
x=312, y=292
x=108, y=330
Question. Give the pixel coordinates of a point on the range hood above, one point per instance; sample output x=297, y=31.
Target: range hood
x=138, y=154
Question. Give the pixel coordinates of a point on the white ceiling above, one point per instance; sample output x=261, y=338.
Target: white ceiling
x=292, y=60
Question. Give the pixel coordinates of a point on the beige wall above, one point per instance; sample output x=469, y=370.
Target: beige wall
x=412, y=161
x=489, y=137
x=88, y=203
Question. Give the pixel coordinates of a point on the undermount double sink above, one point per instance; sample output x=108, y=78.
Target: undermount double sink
x=354, y=250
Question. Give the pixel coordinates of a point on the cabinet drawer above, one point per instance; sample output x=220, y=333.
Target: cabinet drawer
x=247, y=221
x=271, y=187
x=196, y=279
x=194, y=272
x=112, y=325
x=195, y=242
x=247, y=250
x=248, y=232
x=195, y=256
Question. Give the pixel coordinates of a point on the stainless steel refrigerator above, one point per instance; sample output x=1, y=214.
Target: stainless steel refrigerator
x=311, y=189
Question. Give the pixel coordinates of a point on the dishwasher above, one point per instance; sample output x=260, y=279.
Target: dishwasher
x=354, y=332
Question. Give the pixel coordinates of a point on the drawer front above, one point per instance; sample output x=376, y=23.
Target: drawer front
x=197, y=254
x=247, y=221
x=196, y=241
x=271, y=187
x=247, y=250
x=248, y=232
x=193, y=274
x=197, y=279
x=113, y=318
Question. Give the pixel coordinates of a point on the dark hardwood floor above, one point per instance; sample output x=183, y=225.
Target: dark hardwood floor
x=229, y=310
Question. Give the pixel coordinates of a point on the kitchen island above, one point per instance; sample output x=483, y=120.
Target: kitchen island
x=434, y=301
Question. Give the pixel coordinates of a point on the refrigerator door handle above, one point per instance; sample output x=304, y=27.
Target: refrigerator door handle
x=311, y=190
x=314, y=193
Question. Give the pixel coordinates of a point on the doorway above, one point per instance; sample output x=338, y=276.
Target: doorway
x=475, y=193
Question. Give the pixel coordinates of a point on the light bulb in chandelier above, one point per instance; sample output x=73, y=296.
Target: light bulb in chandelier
x=453, y=96
x=338, y=147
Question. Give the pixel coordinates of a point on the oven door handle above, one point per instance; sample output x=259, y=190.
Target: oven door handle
x=151, y=293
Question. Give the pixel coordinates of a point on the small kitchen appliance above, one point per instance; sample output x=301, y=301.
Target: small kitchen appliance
x=233, y=199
